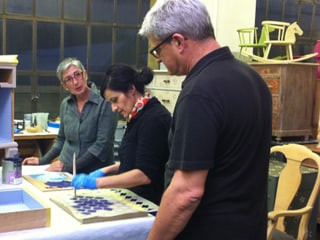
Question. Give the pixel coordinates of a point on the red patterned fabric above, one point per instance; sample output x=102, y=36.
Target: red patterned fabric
x=141, y=102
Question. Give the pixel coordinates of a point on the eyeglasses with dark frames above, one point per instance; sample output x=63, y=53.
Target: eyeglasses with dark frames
x=156, y=50
x=76, y=75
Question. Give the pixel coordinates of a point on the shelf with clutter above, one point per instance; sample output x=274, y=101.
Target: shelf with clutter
x=290, y=78
x=8, y=65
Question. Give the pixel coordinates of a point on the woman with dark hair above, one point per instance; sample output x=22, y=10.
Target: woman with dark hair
x=144, y=150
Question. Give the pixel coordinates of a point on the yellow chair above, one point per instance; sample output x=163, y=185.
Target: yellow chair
x=284, y=36
x=288, y=185
x=248, y=38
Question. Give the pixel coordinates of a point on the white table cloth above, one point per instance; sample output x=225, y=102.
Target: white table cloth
x=64, y=226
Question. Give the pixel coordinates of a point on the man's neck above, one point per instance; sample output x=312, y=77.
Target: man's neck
x=199, y=49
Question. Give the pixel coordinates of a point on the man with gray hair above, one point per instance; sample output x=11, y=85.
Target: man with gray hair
x=217, y=172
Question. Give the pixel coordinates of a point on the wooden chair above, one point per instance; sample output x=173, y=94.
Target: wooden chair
x=284, y=36
x=248, y=38
x=288, y=185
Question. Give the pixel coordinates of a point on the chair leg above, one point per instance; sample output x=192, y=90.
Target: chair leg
x=266, y=52
x=289, y=52
x=239, y=53
x=270, y=230
x=259, y=52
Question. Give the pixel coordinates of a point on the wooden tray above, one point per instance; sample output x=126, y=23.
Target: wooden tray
x=104, y=205
x=20, y=210
x=50, y=181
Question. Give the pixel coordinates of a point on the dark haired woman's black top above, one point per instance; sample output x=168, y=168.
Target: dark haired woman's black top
x=145, y=147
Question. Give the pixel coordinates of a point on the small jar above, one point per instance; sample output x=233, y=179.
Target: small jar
x=12, y=170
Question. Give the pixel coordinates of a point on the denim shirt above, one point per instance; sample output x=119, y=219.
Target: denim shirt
x=92, y=131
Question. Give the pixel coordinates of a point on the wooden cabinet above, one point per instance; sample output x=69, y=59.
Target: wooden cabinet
x=7, y=85
x=34, y=144
x=166, y=88
x=316, y=111
x=292, y=87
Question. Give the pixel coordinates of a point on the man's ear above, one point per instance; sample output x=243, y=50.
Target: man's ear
x=178, y=39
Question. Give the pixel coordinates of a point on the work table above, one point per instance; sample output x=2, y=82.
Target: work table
x=64, y=226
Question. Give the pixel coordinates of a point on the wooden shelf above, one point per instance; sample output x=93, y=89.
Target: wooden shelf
x=34, y=144
x=7, y=84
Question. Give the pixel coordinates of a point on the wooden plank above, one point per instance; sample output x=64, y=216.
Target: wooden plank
x=50, y=181
x=104, y=205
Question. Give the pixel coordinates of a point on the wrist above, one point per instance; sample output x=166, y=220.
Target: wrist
x=91, y=183
x=98, y=173
x=103, y=174
x=98, y=184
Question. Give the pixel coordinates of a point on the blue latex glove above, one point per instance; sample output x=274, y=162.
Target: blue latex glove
x=97, y=173
x=84, y=181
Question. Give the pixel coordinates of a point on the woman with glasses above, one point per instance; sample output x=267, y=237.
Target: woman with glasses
x=87, y=125
x=144, y=148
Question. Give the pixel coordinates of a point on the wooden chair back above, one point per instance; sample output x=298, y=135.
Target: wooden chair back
x=288, y=185
x=284, y=35
x=248, y=38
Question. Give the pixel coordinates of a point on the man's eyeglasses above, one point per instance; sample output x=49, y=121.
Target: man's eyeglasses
x=156, y=50
x=76, y=75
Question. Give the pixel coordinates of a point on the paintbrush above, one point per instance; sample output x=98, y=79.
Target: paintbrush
x=74, y=172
